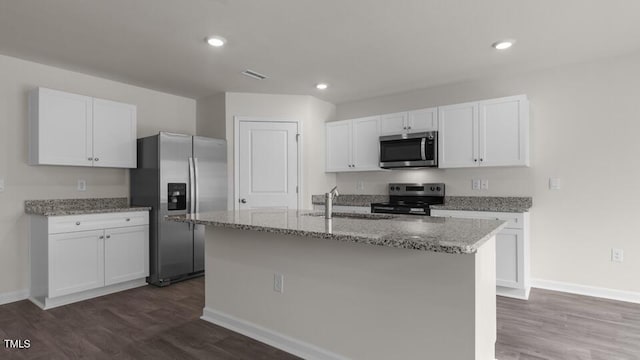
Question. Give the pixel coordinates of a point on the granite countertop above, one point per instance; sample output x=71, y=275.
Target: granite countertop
x=448, y=235
x=61, y=207
x=469, y=203
x=351, y=200
x=486, y=203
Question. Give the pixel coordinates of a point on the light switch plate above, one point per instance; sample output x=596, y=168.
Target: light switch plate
x=82, y=185
x=1, y=184
x=475, y=184
x=484, y=184
x=554, y=183
x=617, y=255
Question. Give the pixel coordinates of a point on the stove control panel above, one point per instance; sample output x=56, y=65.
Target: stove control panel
x=403, y=189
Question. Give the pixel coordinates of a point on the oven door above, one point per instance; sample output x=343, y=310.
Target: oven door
x=409, y=150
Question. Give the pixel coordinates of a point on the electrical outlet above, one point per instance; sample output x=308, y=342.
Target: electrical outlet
x=1, y=184
x=82, y=185
x=484, y=184
x=554, y=183
x=617, y=255
x=360, y=185
x=278, y=283
x=475, y=184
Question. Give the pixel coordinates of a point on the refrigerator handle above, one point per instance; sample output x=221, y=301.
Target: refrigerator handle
x=192, y=188
x=196, y=198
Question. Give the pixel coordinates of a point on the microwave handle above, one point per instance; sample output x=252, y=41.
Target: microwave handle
x=423, y=144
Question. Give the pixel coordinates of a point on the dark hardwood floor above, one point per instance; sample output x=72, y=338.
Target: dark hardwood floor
x=154, y=323
x=555, y=325
x=143, y=323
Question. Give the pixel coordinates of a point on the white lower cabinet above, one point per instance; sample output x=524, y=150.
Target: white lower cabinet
x=512, y=249
x=76, y=262
x=102, y=254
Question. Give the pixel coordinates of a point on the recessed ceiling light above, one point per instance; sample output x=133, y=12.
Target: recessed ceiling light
x=321, y=86
x=502, y=45
x=216, y=41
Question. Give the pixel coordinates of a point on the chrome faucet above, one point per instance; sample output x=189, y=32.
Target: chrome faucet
x=328, y=202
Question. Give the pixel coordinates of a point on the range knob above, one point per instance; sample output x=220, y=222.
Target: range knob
x=438, y=188
x=433, y=188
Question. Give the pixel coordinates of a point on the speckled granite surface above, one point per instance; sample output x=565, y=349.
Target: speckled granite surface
x=61, y=207
x=486, y=203
x=351, y=200
x=448, y=235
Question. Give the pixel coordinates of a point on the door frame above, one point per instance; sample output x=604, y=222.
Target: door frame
x=236, y=153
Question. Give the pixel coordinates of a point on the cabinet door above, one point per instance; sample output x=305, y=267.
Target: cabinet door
x=339, y=146
x=76, y=262
x=60, y=128
x=457, y=136
x=509, y=258
x=422, y=120
x=504, y=132
x=114, y=134
x=393, y=124
x=366, y=143
x=126, y=254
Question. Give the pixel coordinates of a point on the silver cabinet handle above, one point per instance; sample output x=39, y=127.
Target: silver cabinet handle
x=77, y=222
x=244, y=201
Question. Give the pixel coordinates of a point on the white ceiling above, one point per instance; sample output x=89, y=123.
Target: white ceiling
x=362, y=48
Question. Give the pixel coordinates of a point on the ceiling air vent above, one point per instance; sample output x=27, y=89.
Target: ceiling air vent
x=253, y=74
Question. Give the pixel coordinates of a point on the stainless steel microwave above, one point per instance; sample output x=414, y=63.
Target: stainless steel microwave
x=409, y=150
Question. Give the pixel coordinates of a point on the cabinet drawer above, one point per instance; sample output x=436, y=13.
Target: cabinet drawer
x=514, y=220
x=71, y=223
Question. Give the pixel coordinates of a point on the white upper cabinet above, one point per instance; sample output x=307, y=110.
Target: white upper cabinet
x=409, y=122
x=457, y=137
x=339, y=146
x=60, y=128
x=486, y=133
x=353, y=145
x=114, y=142
x=77, y=130
x=504, y=132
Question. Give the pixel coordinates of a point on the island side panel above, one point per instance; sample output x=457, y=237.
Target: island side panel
x=360, y=301
x=486, y=325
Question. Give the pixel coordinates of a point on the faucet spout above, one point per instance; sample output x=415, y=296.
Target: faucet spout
x=328, y=202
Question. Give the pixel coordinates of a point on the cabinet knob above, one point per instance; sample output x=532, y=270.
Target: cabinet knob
x=481, y=159
x=96, y=159
x=101, y=237
x=405, y=128
x=244, y=201
x=128, y=219
x=90, y=159
x=409, y=127
x=108, y=236
x=475, y=160
x=77, y=222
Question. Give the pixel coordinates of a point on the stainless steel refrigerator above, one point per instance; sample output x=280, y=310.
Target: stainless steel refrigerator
x=178, y=174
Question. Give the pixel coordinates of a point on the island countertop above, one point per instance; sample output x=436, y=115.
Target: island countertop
x=436, y=234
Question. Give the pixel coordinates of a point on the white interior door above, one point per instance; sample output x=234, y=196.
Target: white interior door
x=267, y=165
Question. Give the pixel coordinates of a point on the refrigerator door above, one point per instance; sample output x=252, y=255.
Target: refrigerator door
x=175, y=240
x=210, y=161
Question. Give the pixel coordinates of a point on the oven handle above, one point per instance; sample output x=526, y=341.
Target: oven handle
x=423, y=144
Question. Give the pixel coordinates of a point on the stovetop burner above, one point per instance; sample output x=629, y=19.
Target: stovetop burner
x=411, y=199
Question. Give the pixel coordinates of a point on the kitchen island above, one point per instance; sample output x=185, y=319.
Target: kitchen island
x=357, y=286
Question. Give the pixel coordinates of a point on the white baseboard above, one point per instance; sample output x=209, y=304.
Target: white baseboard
x=611, y=294
x=269, y=337
x=14, y=296
x=46, y=303
x=522, y=294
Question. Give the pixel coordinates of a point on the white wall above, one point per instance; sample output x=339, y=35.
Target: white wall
x=585, y=126
x=156, y=111
x=210, y=119
x=312, y=112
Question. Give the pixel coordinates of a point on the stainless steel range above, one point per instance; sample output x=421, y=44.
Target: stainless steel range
x=412, y=199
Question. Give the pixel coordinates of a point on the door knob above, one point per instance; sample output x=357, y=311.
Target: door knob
x=244, y=201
